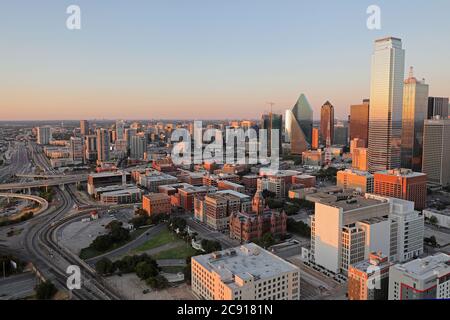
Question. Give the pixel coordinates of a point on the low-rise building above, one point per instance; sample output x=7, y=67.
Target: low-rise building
x=442, y=217
x=403, y=184
x=369, y=279
x=124, y=196
x=304, y=179
x=156, y=203
x=420, y=279
x=244, y=273
x=361, y=181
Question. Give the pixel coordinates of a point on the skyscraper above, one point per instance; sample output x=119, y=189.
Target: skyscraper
x=90, y=148
x=129, y=133
x=102, y=145
x=327, y=123
x=386, y=104
x=415, y=102
x=120, y=129
x=84, y=127
x=76, y=149
x=43, y=135
x=340, y=134
x=359, y=121
x=437, y=107
x=271, y=122
x=298, y=125
x=138, y=147
x=436, y=151
x=315, y=139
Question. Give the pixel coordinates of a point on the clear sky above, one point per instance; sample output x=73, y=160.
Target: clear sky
x=205, y=59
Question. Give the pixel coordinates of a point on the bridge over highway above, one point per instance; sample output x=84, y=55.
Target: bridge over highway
x=41, y=201
x=43, y=183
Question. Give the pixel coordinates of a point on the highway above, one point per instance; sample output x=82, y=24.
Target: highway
x=41, y=247
x=19, y=163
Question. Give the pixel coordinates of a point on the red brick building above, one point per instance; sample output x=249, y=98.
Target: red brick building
x=403, y=184
x=156, y=203
x=248, y=227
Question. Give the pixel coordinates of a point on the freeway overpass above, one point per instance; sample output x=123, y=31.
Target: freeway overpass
x=41, y=201
x=71, y=179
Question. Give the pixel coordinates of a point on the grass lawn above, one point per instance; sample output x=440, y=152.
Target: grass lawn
x=88, y=253
x=162, y=238
x=182, y=251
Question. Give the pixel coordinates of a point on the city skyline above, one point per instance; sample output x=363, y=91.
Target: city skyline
x=105, y=70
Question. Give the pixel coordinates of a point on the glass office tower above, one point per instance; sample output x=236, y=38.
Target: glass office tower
x=298, y=125
x=415, y=105
x=386, y=104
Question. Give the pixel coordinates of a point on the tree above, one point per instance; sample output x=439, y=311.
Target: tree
x=211, y=245
x=145, y=270
x=45, y=290
x=300, y=228
x=157, y=282
x=187, y=271
x=267, y=240
x=120, y=234
x=102, y=243
x=433, y=220
x=115, y=224
x=433, y=241
x=177, y=223
x=105, y=266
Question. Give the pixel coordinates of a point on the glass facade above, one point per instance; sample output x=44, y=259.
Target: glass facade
x=415, y=103
x=386, y=104
x=298, y=125
x=327, y=123
x=359, y=122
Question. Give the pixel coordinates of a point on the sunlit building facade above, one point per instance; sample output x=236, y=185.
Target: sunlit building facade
x=436, y=151
x=327, y=123
x=299, y=126
x=415, y=104
x=386, y=104
x=359, y=122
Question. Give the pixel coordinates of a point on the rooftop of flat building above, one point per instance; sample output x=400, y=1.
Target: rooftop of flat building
x=156, y=196
x=437, y=265
x=115, y=187
x=378, y=259
x=234, y=193
x=248, y=261
x=401, y=173
x=357, y=172
x=108, y=174
x=348, y=201
x=122, y=192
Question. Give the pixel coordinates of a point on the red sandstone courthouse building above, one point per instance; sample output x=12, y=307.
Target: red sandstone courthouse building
x=247, y=227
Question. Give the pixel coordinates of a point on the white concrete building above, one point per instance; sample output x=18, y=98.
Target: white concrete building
x=408, y=226
x=442, y=216
x=427, y=278
x=244, y=273
x=346, y=229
